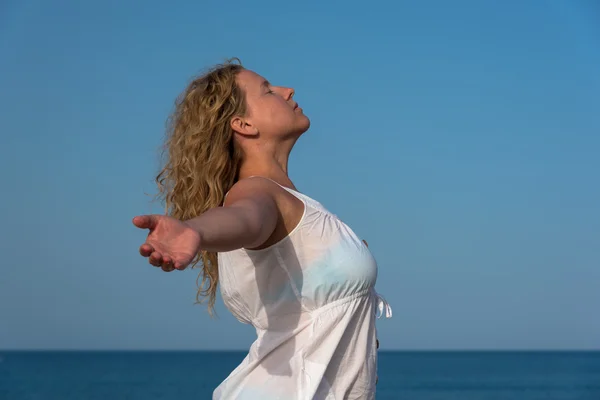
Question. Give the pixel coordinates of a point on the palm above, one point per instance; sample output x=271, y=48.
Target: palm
x=170, y=241
x=174, y=239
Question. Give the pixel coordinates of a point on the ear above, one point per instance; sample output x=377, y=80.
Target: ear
x=243, y=127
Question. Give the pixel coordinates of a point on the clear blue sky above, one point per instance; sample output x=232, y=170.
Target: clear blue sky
x=461, y=139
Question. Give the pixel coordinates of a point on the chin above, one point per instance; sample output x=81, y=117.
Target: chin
x=300, y=126
x=305, y=125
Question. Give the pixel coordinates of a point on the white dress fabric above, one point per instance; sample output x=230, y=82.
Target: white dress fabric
x=312, y=301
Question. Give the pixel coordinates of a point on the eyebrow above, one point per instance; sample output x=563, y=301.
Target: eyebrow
x=265, y=84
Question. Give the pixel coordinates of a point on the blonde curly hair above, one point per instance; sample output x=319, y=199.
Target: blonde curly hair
x=201, y=158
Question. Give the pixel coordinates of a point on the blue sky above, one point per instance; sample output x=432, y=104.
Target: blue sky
x=461, y=139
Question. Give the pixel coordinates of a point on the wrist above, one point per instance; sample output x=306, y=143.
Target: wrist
x=193, y=225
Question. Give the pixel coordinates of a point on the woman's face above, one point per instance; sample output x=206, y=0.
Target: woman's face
x=270, y=110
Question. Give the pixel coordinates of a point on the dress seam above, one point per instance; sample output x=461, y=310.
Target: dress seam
x=341, y=301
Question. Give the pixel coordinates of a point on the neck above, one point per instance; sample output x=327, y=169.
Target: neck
x=268, y=162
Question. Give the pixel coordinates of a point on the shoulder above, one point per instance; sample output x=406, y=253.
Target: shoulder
x=267, y=194
x=253, y=188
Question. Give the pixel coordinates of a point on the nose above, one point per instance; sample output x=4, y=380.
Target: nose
x=289, y=93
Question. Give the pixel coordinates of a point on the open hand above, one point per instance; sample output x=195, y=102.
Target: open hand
x=171, y=244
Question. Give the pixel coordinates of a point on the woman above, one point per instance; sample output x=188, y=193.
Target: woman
x=285, y=264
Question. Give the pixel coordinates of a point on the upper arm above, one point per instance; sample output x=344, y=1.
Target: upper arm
x=255, y=200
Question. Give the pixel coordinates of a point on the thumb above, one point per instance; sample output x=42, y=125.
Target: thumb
x=145, y=221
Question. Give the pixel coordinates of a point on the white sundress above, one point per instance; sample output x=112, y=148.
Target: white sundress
x=312, y=301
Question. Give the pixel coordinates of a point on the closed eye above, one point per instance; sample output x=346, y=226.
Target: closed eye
x=267, y=86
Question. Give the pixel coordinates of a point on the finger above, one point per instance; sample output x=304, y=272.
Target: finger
x=365, y=242
x=179, y=266
x=145, y=221
x=167, y=264
x=155, y=259
x=167, y=267
x=146, y=250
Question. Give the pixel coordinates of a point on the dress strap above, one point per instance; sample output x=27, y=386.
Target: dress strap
x=290, y=190
x=275, y=182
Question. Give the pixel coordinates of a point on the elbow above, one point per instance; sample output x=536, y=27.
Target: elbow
x=258, y=233
x=260, y=226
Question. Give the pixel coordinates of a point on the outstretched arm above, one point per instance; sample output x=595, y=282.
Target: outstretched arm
x=248, y=219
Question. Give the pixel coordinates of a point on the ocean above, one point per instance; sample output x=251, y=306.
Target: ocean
x=402, y=375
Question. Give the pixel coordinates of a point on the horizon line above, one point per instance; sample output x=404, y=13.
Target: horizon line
x=107, y=350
